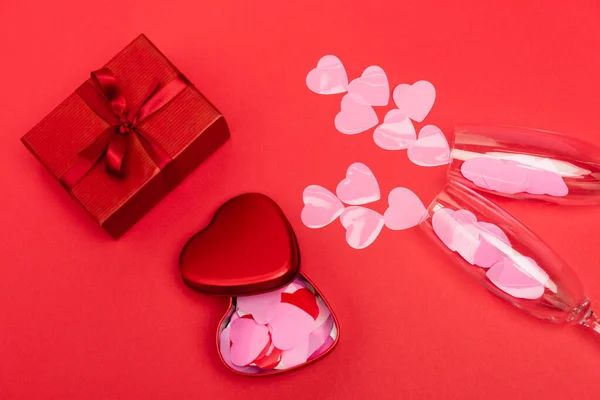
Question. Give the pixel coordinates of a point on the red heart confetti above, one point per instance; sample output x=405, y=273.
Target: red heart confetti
x=304, y=299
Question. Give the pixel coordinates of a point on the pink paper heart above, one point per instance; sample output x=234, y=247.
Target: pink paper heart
x=248, y=339
x=465, y=241
x=321, y=207
x=520, y=277
x=224, y=348
x=329, y=77
x=405, y=209
x=324, y=312
x=546, y=182
x=359, y=187
x=431, y=148
x=505, y=176
x=328, y=343
x=261, y=306
x=297, y=355
x=443, y=224
x=415, y=100
x=458, y=231
x=290, y=326
x=355, y=117
x=476, y=242
x=372, y=88
x=396, y=133
x=510, y=176
x=362, y=226
x=319, y=335
x=487, y=254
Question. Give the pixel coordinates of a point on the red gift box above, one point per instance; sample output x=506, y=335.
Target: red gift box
x=127, y=136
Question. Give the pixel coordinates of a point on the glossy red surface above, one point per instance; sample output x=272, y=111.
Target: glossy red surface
x=247, y=248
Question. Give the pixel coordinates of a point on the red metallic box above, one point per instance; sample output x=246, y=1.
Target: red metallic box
x=127, y=136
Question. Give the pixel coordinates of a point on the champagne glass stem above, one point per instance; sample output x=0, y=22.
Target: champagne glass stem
x=591, y=321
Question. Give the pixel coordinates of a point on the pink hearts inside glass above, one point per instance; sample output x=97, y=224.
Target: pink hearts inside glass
x=525, y=163
x=506, y=257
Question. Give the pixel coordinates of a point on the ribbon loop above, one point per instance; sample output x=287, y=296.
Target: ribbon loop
x=106, y=98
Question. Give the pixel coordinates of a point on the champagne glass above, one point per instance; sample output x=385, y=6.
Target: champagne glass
x=525, y=163
x=506, y=257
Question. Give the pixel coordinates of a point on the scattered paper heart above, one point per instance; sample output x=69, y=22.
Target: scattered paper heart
x=329, y=77
x=396, y=133
x=359, y=187
x=415, y=100
x=431, y=148
x=405, y=209
x=372, y=88
x=321, y=207
x=362, y=226
x=354, y=117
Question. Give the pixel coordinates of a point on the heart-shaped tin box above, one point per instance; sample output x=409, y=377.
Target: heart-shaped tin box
x=277, y=320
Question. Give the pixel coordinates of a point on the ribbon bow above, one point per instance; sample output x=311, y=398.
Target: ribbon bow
x=105, y=97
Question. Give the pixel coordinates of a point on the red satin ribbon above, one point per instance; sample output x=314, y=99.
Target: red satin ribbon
x=106, y=99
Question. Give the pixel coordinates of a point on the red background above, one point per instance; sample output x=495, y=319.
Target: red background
x=83, y=316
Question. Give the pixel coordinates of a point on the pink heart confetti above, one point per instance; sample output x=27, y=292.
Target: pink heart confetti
x=510, y=177
x=328, y=343
x=444, y=223
x=248, y=339
x=296, y=355
x=304, y=299
x=431, y=148
x=458, y=230
x=487, y=254
x=547, y=182
x=372, y=88
x=505, y=176
x=359, y=187
x=329, y=77
x=324, y=312
x=224, y=348
x=321, y=207
x=466, y=240
x=396, y=133
x=355, y=117
x=362, y=226
x=405, y=209
x=291, y=326
x=261, y=306
x=516, y=277
x=303, y=326
x=319, y=335
x=487, y=245
x=415, y=100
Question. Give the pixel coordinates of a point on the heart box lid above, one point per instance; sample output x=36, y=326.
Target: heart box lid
x=249, y=247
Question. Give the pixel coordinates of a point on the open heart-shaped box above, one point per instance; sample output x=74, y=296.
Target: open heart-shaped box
x=277, y=320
